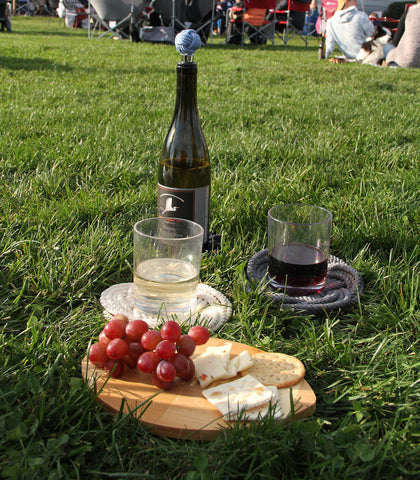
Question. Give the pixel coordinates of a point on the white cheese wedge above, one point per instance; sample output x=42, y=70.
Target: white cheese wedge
x=222, y=353
x=242, y=361
x=208, y=369
x=242, y=394
x=231, y=371
x=256, y=413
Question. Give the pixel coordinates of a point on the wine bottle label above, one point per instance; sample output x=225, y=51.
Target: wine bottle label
x=191, y=204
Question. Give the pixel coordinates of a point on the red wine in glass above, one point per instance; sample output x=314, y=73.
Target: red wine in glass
x=297, y=269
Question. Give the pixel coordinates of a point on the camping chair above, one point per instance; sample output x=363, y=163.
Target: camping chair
x=5, y=15
x=183, y=14
x=75, y=13
x=393, y=24
x=387, y=22
x=288, y=27
x=24, y=7
x=115, y=17
x=252, y=20
x=206, y=27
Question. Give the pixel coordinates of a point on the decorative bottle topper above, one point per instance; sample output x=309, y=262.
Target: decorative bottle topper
x=187, y=42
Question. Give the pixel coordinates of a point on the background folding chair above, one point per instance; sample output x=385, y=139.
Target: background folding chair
x=393, y=18
x=289, y=26
x=253, y=20
x=233, y=30
x=75, y=13
x=115, y=17
x=183, y=14
x=25, y=7
x=205, y=29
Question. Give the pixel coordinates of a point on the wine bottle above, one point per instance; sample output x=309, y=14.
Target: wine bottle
x=184, y=167
x=321, y=48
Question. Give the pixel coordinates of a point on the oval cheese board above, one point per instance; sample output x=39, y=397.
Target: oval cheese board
x=182, y=412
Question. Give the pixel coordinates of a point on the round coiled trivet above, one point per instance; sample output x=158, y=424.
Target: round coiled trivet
x=343, y=287
x=213, y=308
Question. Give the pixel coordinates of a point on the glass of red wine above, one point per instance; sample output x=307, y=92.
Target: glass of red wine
x=298, y=248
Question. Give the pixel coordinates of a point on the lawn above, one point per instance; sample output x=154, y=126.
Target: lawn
x=82, y=123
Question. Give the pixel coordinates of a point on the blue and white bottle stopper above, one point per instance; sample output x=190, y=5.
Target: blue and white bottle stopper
x=187, y=42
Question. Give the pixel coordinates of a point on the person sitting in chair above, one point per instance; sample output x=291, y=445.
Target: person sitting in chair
x=348, y=28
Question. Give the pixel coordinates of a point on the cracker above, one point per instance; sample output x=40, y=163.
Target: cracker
x=276, y=369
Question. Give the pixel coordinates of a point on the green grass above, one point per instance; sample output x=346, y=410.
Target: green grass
x=82, y=123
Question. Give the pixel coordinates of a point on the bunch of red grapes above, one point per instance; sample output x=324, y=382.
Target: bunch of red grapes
x=163, y=353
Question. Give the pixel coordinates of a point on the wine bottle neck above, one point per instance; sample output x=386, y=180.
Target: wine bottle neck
x=186, y=90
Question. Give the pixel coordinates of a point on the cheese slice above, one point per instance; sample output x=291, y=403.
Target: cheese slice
x=211, y=372
x=242, y=394
x=238, y=364
x=231, y=371
x=222, y=353
x=208, y=369
x=256, y=413
x=242, y=361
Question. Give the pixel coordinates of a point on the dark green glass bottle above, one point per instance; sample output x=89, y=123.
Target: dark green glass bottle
x=321, y=48
x=184, y=167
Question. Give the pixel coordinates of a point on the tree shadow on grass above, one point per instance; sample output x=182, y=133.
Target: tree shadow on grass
x=29, y=64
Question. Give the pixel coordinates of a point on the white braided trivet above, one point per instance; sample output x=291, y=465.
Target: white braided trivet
x=343, y=287
x=213, y=308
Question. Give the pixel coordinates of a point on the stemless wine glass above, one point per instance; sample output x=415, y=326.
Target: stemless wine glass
x=298, y=248
x=167, y=255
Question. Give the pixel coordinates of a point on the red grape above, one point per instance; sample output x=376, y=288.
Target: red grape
x=200, y=334
x=147, y=362
x=180, y=362
x=120, y=316
x=162, y=353
x=185, y=345
x=189, y=373
x=103, y=338
x=130, y=361
x=165, y=371
x=115, y=328
x=158, y=383
x=114, y=368
x=170, y=330
x=166, y=349
x=135, y=329
x=117, y=348
x=97, y=354
x=150, y=339
x=135, y=349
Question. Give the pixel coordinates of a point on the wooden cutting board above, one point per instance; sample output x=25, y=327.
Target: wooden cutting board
x=181, y=412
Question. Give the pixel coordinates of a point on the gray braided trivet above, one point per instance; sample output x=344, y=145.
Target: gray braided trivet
x=343, y=287
x=213, y=308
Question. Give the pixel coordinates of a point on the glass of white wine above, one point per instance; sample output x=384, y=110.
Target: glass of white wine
x=167, y=255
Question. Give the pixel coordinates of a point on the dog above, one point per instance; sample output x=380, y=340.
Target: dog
x=372, y=50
